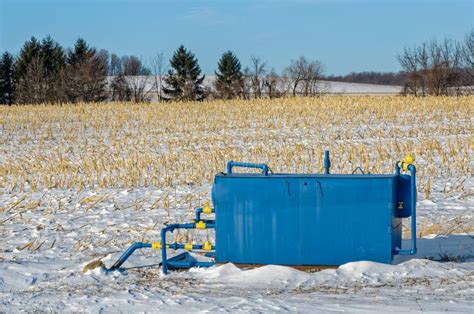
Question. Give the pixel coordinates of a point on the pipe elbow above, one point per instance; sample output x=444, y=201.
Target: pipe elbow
x=198, y=214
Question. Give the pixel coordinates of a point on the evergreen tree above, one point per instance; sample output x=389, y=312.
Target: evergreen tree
x=7, y=79
x=38, y=71
x=81, y=52
x=229, y=81
x=183, y=81
x=31, y=49
x=85, y=75
x=53, y=57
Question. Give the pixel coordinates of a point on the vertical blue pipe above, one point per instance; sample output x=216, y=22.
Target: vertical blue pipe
x=198, y=214
x=413, y=193
x=412, y=169
x=327, y=162
x=164, y=267
x=397, y=168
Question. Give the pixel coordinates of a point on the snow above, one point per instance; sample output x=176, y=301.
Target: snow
x=417, y=284
x=45, y=249
x=149, y=84
x=361, y=89
x=50, y=235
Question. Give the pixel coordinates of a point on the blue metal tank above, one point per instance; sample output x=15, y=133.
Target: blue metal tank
x=298, y=219
x=311, y=219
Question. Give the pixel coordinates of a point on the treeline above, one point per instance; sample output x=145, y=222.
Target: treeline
x=371, y=77
x=439, y=67
x=45, y=72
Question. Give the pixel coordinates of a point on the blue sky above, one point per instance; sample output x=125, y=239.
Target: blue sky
x=346, y=35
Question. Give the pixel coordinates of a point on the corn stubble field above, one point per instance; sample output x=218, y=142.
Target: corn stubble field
x=171, y=145
x=81, y=182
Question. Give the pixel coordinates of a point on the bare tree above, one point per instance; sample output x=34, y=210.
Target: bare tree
x=255, y=74
x=445, y=68
x=104, y=57
x=452, y=52
x=468, y=55
x=422, y=62
x=274, y=84
x=137, y=77
x=295, y=72
x=305, y=76
x=32, y=87
x=436, y=68
x=119, y=90
x=314, y=73
x=115, y=67
x=409, y=63
x=159, y=67
x=467, y=60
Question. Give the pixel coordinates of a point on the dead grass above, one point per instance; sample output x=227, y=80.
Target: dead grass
x=175, y=144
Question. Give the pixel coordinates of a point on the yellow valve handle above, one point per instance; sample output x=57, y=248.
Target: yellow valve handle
x=157, y=245
x=200, y=225
x=406, y=162
x=409, y=159
x=207, y=246
x=188, y=246
x=207, y=210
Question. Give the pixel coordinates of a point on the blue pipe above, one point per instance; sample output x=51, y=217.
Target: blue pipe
x=178, y=246
x=232, y=164
x=170, y=228
x=140, y=245
x=163, y=241
x=198, y=214
x=164, y=267
x=327, y=162
x=412, y=170
x=128, y=252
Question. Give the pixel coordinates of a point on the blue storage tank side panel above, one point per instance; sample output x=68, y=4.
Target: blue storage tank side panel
x=351, y=220
x=255, y=221
x=303, y=220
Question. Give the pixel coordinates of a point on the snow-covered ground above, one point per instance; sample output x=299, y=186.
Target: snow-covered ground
x=150, y=86
x=58, y=212
x=48, y=237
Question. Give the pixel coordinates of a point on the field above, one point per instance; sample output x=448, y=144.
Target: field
x=81, y=182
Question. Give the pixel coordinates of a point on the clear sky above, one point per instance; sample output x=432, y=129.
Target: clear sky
x=345, y=35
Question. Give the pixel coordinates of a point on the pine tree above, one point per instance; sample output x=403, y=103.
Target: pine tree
x=85, y=75
x=29, y=51
x=7, y=79
x=53, y=59
x=53, y=56
x=81, y=53
x=183, y=81
x=229, y=81
x=38, y=71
